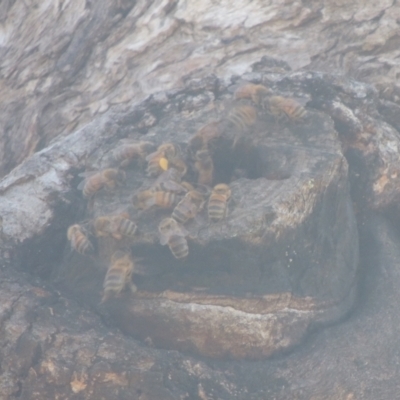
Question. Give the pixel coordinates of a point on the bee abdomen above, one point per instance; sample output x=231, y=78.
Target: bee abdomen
x=91, y=188
x=114, y=281
x=216, y=210
x=179, y=216
x=166, y=199
x=243, y=117
x=178, y=246
x=298, y=111
x=83, y=245
x=121, y=154
x=157, y=166
x=127, y=227
x=153, y=169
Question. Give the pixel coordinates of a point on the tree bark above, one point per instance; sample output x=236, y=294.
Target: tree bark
x=65, y=63
x=77, y=76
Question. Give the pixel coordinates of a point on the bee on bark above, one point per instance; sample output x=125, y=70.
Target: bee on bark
x=108, y=178
x=129, y=151
x=78, y=239
x=205, y=137
x=188, y=207
x=253, y=92
x=243, y=117
x=204, y=166
x=174, y=235
x=149, y=198
x=159, y=161
x=286, y=107
x=218, y=202
x=119, y=275
x=116, y=226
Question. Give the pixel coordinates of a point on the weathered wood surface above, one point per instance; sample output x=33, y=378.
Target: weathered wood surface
x=63, y=63
x=282, y=262
x=357, y=359
x=85, y=70
x=47, y=179
x=54, y=349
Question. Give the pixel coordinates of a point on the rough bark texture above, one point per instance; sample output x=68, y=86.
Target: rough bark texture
x=80, y=74
x=64, y=63
x=53, y=349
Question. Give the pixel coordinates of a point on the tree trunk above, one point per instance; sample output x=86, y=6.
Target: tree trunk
x=78, y=76
x=64, y=64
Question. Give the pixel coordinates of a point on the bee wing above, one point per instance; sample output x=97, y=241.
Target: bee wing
x=172, y=186
x=232, y=89
x=81, y=184
x=163, y=239
x=204, y=189
x=151, y=155
x=151, y=201
x=178, y=150
x=141, y=146
x=87, y=174
x=302, y=100
x=128, y=141
x=166, y=176
x=183, y=231
x=167, y=181
x=86, y=225
x=199, y=219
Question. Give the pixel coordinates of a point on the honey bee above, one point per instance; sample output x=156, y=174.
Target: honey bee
x=129, y=151
x=251, y=91
x=149, y=198
x=108, y=178
x=243, y=117
x=188, y=207
x=117, y=226
x=78, y=239
x=119, y=275
x=174, y=235
x=159, y=161
x=204, y=137
x=281, y=107
x=217, y=203
x=205, y=167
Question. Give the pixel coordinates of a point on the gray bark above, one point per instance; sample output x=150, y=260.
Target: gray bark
x=65, y=63
x=77, y=76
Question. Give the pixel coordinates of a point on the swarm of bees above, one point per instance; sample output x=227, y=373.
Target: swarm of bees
x=185, y=187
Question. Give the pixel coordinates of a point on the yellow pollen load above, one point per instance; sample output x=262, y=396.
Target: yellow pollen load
x=163, y=163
